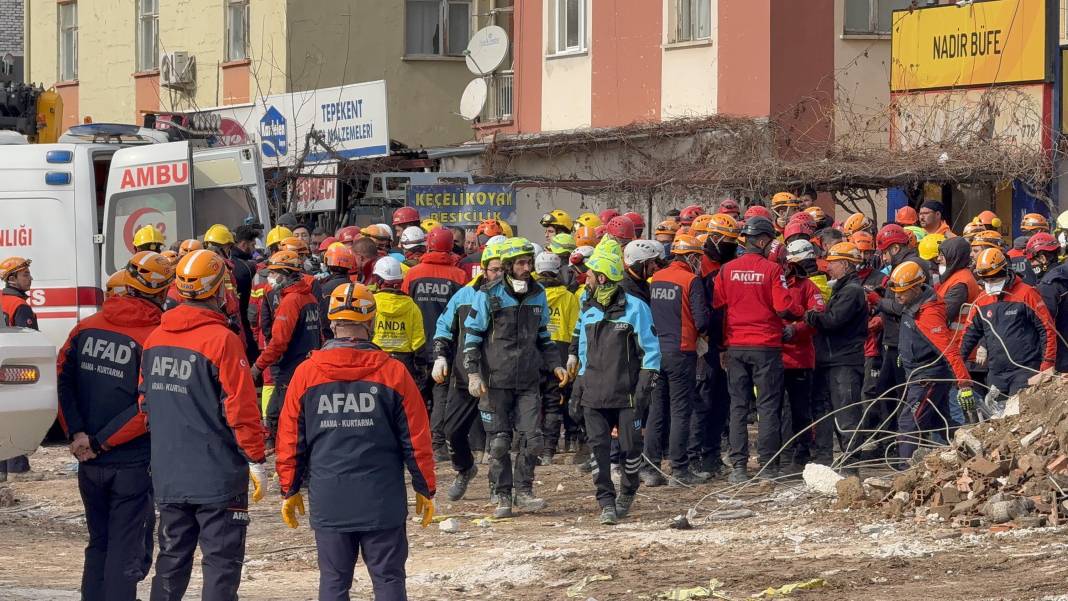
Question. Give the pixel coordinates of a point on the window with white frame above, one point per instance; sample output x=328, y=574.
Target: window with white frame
x=693, y=20
x=237, y=29
x=436, y=27
x=570, y=26
x=68, y=41
x=871, y=17
x=147, y=35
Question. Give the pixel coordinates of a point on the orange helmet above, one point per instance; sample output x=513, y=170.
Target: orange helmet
x=667, y=227
x=988, y=219
x=585, y=236
x=149, y=273
x=171, y=256
x=340, y=255
x=906, y=276
x=906, y=215
x=116, y=285
x=817, y=213
x=200, y=274
x=700, y=224
x=489, y=228
x=296, y=245
x=724, y=225
x=1033, y=222
x=12, y=265
x=863, y=241
x=971, y=229
x=351, y=302
x=987, y=239
x=990, y=263
x=188, y=246
x=855, y=223
x=284, y=260
x=686, y=244
x=845, y=251
x=784, y=200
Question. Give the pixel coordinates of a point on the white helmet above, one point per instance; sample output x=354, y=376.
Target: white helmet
x=546, y=263
x=799, y=250
x=497, y=239
x=538, y=249
x=389, y=269
x=386, y=230
x=637, y=251
x=412, y=236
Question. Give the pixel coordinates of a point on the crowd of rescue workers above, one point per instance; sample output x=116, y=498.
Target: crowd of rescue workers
x=646, y=355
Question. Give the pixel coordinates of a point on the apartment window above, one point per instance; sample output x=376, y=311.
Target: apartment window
x=68, y=41
x=693, y=20
x=437, y=27
x=570, y=26
x=147, y=35
x=872, y=17
x=236, y=30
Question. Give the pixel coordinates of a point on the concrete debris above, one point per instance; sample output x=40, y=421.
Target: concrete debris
x=821, y=478
x=850, y=493
x=963, y=439
x=1027, y=440
x=7, y=497
x=731, y=514
x=449, y=525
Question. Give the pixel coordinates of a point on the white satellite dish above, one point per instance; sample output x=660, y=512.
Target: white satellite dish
x=473, y=99
x=486, y=50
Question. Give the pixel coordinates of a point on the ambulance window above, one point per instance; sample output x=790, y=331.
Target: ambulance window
x=132, y=210
x=101, y=165
x=228, y=206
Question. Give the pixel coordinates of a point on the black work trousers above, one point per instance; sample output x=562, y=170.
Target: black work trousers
x=438, y=405
x=798, y=420
x=506, y=411
x=274, y=405
x=384, y=553
x=710, y=412
x=553, y=400
x=762, y=368
x=924, y=414
x=837, y=388
x=672, y=408
x=120, y=518
x=219, y=529
x=462, y=428
x=599, y=424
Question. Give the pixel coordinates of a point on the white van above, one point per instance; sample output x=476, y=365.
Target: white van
x=72, y=207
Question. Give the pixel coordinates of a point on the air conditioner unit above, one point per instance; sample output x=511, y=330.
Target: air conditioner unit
x=177, y=69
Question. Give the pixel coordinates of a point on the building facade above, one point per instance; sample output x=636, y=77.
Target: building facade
x=12, y=45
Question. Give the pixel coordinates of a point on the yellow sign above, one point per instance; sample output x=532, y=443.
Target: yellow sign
x=1001, y=41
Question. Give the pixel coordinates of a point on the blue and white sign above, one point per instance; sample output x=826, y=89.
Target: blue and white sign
x=352, y=121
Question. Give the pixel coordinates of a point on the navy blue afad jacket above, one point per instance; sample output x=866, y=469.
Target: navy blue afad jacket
x=353, y=419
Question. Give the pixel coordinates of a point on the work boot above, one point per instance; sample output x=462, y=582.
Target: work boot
x=588, y=466
x=441, y=455
x=770, y=473
x=738, y=475
x=685, y=478
x=699, y=473
x=526, y=501
x=651, y=477
x=546, y=459
x=608, y=516
x=504, y=507
x=714, y=466
x=623, y=503
x=582, y=454
x=480, y=457
x=458, y=488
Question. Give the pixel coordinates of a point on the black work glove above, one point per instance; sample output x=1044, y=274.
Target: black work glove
x=574, y=403
x=787, y=332
x=811, y=318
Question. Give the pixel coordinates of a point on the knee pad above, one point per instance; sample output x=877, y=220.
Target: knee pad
x=500, y=445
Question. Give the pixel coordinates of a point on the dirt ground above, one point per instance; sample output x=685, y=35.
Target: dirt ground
x=793, y=537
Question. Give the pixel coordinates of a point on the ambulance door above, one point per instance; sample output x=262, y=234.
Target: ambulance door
x=147, y=185
x=228, y=188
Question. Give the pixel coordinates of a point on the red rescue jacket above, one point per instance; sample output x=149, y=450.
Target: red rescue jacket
x=800, y=352
x=753, y=293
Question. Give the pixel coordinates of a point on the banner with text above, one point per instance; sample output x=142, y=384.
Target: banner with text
x=316, y=189
x=463, y=205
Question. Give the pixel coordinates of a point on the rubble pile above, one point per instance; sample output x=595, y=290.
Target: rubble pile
x=1004, y=473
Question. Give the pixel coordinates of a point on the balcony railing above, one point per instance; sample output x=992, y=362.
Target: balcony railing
x=499, y=101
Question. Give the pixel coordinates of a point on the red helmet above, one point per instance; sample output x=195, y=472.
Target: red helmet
x=347, y=234
x=730, y=207
x=325, y=244
x=621, y=228
x=1040, y=242
x=799, y=227
x=636, y=219
x=405, y=215
x=758, y=211
x=439, y=239
x=599, y=232
x=891, y=233
x=687, y=215
x=607, y=215
x=804, y=217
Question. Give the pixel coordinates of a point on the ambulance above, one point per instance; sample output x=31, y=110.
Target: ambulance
x=72, y=207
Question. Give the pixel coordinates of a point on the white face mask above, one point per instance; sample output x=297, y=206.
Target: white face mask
x=518, y=286
x=273, y=279
x=994, y=287
x=941, y=270
x=831, y=283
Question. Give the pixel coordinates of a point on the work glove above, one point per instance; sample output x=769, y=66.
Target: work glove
x=290, y=507
x=702, y=346
x=572, y=365
x=257, y=475
x=811, y=317
x=561, y=375
x=647, y=381
x=966, y=399
x=257, y=375
x=440, y=370
x=788, y=332
x=574, y=403
x=425, y=508
x=980, y=356
x=475, y=387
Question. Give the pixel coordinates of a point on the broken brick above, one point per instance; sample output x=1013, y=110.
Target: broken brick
x=965, y=506
x=1059, y=465
x=950, y=495
x=987, y=468
x=942, y=511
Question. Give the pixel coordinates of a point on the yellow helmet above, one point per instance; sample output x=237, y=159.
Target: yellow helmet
x=507, y=229
x=928, y=247
x=219, y=234
x=429, y=224
x=147, y=235
x=558, y=218
x=351, y=302
x=276, y=235
x=589, y=220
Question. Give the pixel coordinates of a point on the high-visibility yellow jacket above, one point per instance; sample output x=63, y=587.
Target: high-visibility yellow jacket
x=563, y=312
x=398, y=323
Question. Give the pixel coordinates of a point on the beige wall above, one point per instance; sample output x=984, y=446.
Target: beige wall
x=862, y=95
x=41, y=54
x=689, y=79
x=566, y=81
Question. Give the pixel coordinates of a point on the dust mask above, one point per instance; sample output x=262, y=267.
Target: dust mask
x=518, y=286
x=993, y=287
x=941, y=270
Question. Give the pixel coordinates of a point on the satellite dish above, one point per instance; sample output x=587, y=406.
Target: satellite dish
x=473, y=99
x=486, y=50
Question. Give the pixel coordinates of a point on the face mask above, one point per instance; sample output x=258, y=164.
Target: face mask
x=273, y=279
x=1037, y=269
x=994, y=287
x=518, y=286
x=941, y=270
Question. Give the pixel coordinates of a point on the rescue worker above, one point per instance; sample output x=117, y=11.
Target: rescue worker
x=931, y=357
x=586, y=236
x=339, y=261
x=680, y=314
x=195, y=378
x=461, y=409
x=664, y=233
x=563, y=314
x=295, y=331
x=116, y=285
x=366, y=251
x=487, y=228
x=506, y=329
x=413, y=243
x=752, y=292
x=556, y=222
x=220, y=240
x=17, y=279
x=431, y=284
x=958, y=290
x=188, y=246
x=375, y=426
x=841, y=331
x=820, y=218
x=1012, y=321
x=687, y=215
x=148, y=238
x=97, y=374
x=562, y=245
x=932, y=219
x=729, y=206
x=620, y=229
x=857, y=222
x=1042, y=252
x=404, y=218
x=641, y=260
x=892, y=244
x=587, y=220
x=429, y=224
x=639, y=223
x=906, y=216
x=618, y=361
x=784, y=205
x=399, y=323
x=1033, y=223
x=806, y=198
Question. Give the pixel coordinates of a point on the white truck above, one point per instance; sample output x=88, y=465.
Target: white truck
x=27, y=390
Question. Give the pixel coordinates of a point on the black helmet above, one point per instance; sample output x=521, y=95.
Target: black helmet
x=758, y=226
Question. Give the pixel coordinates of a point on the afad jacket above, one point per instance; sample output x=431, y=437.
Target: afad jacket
x=432, y=283
x=615, y=342
x=352, y=421
x=1054, y=290
x=1014, y=326
x=201, y=407
x=679, y=306
x=295, y=331
x=505, y=333
x=449, y=331
x=97, y=373
x=18, y=312
x=927, y=346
